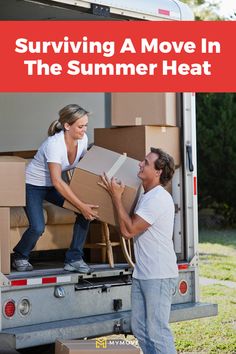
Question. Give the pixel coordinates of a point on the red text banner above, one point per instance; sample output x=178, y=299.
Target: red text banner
x=117, y=56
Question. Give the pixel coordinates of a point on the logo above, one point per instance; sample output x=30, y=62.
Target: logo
x=101, y=343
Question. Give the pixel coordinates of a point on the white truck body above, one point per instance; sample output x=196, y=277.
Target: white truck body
x=68, y=306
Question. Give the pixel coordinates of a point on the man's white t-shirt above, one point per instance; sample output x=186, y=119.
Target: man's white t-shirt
x=154, y=251
x=53, y=149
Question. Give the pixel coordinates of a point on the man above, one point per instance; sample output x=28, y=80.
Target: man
x=155, y=272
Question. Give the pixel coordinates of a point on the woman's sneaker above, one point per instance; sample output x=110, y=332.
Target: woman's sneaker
x=78, y=266
x=22, y=265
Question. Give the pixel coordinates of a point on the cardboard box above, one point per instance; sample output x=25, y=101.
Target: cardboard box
x=12, y=181
x=5, y=266
x=99, y=346
x=86, y=176
x=136, y=141
x=146, y=108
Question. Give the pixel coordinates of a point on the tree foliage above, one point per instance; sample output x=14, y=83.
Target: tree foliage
x=216, y=143
x=216, y=138
x=204, y=10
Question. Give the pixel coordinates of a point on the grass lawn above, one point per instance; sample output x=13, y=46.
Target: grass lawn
x=218, y=254
x=214, y=334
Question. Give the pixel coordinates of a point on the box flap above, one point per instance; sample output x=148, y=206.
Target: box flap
x=99, y=160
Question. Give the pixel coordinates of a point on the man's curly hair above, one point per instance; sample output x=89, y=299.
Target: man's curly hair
x=165, y=163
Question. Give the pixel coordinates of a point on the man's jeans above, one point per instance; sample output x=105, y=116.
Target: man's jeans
x=35, y=195
x=151, y=303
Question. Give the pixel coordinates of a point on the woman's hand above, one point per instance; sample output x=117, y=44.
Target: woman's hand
x=89, y=211
x=114, y=187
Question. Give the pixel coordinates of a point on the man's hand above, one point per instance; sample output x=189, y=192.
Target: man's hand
x=114, y=187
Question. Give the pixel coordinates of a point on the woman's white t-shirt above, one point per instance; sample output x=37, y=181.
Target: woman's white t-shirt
x=53, y=149
x=154, y=252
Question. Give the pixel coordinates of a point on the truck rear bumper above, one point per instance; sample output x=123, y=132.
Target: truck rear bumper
x=46, y=333
x=190, y=311
x=29, y=336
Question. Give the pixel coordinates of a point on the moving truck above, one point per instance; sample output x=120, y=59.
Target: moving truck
x=48, y=303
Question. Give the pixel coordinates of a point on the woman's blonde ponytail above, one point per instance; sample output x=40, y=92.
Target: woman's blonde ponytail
x=55, y=127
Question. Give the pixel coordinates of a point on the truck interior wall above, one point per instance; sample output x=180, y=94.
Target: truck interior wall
x=25, y=117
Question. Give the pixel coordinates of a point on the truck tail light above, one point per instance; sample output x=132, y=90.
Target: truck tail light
x=183, y=287
x=9, y=309
x=24, y=307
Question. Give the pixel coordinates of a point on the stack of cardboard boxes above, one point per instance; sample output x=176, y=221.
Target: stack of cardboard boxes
x=141, y=120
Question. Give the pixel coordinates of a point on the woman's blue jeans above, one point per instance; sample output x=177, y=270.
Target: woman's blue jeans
x=151, y=303
x=35, y=195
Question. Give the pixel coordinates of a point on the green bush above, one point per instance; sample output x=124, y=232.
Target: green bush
x=216, y=146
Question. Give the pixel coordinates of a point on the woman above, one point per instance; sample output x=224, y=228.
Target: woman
x=61, y=151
